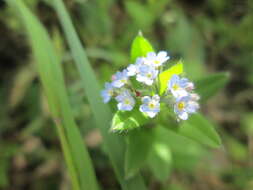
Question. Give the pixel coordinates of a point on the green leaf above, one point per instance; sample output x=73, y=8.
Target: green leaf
x=125, y=120
x=51, y=75
x=210, y=85
x=181, y=147
x=201, y=130
x=171, y=150
x=140, y=47
x=138, y=147
x=165, y=76
x=114, y=145
x=160, y=160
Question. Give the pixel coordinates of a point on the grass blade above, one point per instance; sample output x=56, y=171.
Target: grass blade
x=114, y=144
x=48, y=65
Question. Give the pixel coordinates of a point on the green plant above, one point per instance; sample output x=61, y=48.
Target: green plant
x=157, y=143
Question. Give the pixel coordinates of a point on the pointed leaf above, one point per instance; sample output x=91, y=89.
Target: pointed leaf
x=140, y=47
x=138, y=147
x=201, y=130
x=160, y=161
x=125, y=120
x=181, y=147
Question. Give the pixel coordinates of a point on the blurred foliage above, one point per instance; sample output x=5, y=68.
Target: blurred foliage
x=210, y=35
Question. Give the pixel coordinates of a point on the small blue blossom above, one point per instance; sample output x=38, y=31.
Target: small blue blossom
x=179, y=86
x=150, y=106
x=156, y=60
x=125, y=101
x=131, y=70
x=107, y=93
x=185, y=106
x=120, y=79
x=147, y=74
x=140, y=61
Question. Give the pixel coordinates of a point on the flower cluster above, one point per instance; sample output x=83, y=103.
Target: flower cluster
x=145, y=71
x=185, y=99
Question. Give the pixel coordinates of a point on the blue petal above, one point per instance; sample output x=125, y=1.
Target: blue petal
x=192, y=107
x=162, y=54
x=108, y=85
x=151, y=55
x=183, y=82
x=173, y=80
x=146, y=99
x=183, y=115
x=151, y=114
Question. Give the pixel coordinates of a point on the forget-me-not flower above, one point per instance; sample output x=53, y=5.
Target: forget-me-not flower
x=145, y=70
x=107, y=93
x=156, y=60
x=150, y=106
x=120, y=79
x=125, y=101
x=131, y=70
x=147, y=74
x=185, y=106
x=177, y=86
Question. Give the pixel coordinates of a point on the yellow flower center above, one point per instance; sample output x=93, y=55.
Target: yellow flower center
x=110, y=92
x=175, y=87
x=123, y=81
x=151, y=105
x=149, y=75
x=181, y=105
x=156, y=62
x=127, y=101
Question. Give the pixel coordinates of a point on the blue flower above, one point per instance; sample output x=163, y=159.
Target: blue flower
x=150, y=106
x=146, y=74
x=179, y=87
x=184, y=106
x=125, y=101
x=107, y=93
x=120, y=79
x=131, y=70
x=156, y=60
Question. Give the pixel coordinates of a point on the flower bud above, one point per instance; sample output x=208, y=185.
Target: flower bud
x=113, y=77
x=194, y=97
x=190, y=86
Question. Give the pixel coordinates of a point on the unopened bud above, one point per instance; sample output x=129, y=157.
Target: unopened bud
x=190, y=86
x=195, y=97
x=113, y=77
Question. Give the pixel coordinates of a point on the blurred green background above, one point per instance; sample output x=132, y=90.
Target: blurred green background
x=210, y=35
